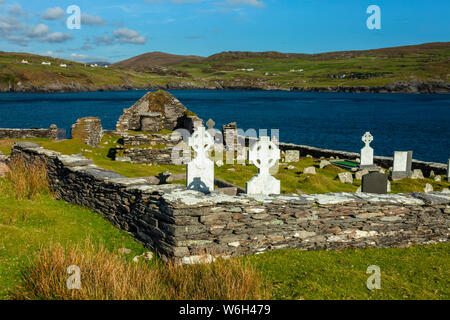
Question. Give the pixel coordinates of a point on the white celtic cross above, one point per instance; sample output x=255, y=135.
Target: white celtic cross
x=264, y=154
x=200, y=171
x=367, y=138
x=201, y=141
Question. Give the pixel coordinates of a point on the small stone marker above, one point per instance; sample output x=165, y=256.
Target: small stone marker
x=402, y=165
x=292, y=156
x=346, y=177
x=200, y=171
x=264, y=154
x=375, y=182
x=437, y=179
x=417, y=174
x=367, y=152
x=428, y=188
x=324, y=163
x=309, y=170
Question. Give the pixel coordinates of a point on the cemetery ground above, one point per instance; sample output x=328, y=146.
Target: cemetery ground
x=40, y=234
x=41, y=237
x=290, y=174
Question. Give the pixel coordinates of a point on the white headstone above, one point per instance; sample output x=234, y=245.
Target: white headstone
x=200, y=171
x=264, y=154
x=367, y=151
x=402, y=165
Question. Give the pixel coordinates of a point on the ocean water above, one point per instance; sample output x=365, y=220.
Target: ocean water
x=398, y=122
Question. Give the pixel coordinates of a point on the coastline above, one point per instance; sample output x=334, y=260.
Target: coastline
x=420, y=87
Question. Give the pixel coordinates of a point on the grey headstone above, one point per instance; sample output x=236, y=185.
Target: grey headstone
x=375, y=182
x=402, y=165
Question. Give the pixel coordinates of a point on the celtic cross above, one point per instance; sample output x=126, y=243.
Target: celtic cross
x=367, y=138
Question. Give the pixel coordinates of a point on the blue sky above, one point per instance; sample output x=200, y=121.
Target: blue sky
x=113, y=30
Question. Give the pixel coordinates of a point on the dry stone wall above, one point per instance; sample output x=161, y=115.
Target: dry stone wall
x=50, y=133
x=187, y=225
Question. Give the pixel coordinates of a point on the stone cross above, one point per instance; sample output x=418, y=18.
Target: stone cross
x=367, y=152
x=200, y=171
x=264, y=154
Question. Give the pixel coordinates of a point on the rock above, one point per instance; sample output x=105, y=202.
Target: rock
x=358, y=160
x=360, y=174
x=124, y=251
x=324, y=163
x=176, y=177
x=383, y=171
x=358, y=190
x=432, y=174
x=309, y=156
x=446, y=190
x=298, y=191
x=146, y=256
x=337, y=158
x=4, y=169
x=229, y=191
x=309, y=170
x=219, y=163
x=292, y=156
x=152, y=180
x=417, y=174
x=232, y=169
x=428, y=188
x=437, y=178
x=88, y=130
x=346, y=177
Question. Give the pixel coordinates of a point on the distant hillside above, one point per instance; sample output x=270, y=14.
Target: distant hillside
x=411, y=69
x=154, y=59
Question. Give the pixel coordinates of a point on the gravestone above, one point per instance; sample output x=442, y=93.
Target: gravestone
x=324, y=163
x=346, y=177
x=402, y=165
x=309, y=170
x=367, y=152
x=200, y=171
x=360, y=174
x=264, y=155
x=417, y=174
x=375, y=182
x=292, y=156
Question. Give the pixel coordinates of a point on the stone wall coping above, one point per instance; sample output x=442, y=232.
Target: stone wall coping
x=178, y=194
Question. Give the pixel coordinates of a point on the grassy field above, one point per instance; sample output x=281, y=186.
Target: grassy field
x=40, y=236
x=292, y=180
x=427, y=62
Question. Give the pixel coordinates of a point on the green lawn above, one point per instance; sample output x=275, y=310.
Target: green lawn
x=413, y=273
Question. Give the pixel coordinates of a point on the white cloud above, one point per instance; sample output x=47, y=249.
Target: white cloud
x=57, y=37
x=15, y=9
x=89, y=20
x=53, y=13
x=38, y=31
x=126, y=35
x=104, y=40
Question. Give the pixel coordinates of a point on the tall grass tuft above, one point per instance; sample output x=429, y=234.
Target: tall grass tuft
x=106, y=276
x=28, y=178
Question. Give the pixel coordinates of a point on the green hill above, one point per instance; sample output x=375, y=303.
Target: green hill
x=419, y=68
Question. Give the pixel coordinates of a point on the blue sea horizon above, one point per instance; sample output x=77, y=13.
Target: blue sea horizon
x=398, y=122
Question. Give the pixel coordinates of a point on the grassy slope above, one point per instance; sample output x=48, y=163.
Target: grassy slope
x=427, y=62
x=411, y=273
x=292, y=180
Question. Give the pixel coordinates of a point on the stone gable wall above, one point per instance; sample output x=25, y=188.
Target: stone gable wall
x=185, y=225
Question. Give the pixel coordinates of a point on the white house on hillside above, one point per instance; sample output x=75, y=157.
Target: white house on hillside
x=46, y=63
x=63, y=65
x=24, y=62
